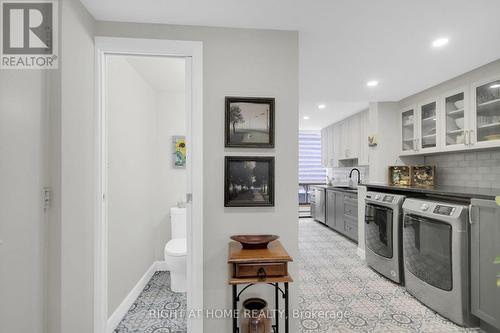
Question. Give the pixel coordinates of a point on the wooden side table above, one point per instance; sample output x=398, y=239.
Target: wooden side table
x=263, y=266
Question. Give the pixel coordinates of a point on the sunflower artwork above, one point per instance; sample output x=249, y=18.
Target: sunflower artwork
x=179, y=155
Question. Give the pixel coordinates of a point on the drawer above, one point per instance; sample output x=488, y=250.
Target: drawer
x=351, y=211
x=351, y=198
x=351, y=229
x=260, y=270
x=350, y=206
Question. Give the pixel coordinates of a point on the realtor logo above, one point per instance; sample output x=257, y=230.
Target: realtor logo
x=29, y=34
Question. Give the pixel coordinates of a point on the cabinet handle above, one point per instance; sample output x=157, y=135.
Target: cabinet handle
x=471, y=133
x=470, y=214
x=261, y=274
x=466, y=138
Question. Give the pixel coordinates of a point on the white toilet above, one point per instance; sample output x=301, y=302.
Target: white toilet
x=175, y=250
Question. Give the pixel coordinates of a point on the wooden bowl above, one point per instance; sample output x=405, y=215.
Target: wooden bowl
x=253, y=242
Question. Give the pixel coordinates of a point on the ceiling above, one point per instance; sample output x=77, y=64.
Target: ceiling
x=345, y=43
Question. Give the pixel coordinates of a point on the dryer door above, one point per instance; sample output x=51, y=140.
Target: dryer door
x=427, y=250
x=378, y=229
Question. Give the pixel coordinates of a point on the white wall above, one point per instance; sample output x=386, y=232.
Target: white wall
x=239, y=62
x=171, y=184
x=142, y=185
x=131, y=116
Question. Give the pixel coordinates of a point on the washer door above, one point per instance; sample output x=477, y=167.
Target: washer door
x=427, y=250
x=378, y=229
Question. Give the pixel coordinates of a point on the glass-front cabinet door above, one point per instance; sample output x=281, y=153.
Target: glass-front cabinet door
x=428, y=126
x=455, y=120
x=408, y=130
x=487, y=114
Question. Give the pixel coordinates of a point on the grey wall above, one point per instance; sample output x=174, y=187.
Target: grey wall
x=23, y=132
x=236, y=62
x=239, y=62
x=476, y=169
x=77, y=146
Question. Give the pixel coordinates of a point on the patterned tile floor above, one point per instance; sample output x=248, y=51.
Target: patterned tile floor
x=157, y=309
x=353, y=297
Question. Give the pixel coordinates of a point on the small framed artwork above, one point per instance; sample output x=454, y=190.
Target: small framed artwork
x=423, y=175
x=179, y=152
x=400, y=175
x=249, y=181
x=249, y=122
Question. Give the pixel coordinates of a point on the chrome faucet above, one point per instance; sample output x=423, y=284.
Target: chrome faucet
x=350, y=176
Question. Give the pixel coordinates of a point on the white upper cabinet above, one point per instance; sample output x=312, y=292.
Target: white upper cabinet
x=462, y=119
x=345, y=140
x=331, y=148
x=486, y=114
x=324, y=147
x=428, y=126
x=354, y=136
x=409, y=130
x=363, y=156
x=455, y=124
x=337, y=141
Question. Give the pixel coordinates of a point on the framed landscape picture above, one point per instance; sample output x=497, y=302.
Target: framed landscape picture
x=249, y=181
x=249, y=122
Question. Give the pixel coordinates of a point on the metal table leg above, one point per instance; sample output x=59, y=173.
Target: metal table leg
x=235, y=308
x=286, y=309
x=277, y=301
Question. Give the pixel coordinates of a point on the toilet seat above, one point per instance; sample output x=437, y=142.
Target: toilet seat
x=176, y=247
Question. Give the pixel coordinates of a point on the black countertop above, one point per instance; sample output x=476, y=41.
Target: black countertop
x=453, y=191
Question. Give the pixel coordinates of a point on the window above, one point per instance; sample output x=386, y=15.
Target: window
x=310, y=169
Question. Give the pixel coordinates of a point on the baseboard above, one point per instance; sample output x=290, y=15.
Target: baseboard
x=125, y=305
x=361, y=253
x=161, y=266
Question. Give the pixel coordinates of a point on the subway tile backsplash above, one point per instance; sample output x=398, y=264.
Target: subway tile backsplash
x=341, y=175
x=470, y=169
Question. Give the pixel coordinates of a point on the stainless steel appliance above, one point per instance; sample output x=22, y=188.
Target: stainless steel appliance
x=383, y=224
x=436, y=257
x=318, y=204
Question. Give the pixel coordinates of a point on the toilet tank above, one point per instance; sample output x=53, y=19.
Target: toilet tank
x=178, y=222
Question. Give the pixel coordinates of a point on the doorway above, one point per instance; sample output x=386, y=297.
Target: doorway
x=136, y=158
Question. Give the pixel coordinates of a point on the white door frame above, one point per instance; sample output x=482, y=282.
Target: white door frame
x=193, y=52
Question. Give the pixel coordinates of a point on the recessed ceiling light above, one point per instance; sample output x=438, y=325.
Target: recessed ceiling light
x=372, y=83
x=306, y=117
x=440, y=42
x=496, y=85
x=321, y=106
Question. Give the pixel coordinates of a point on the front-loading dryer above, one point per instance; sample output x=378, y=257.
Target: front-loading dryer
x=383, y=226
x=436, y=257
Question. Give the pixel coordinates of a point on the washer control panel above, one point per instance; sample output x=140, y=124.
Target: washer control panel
x=444, y=210
x=388, y=198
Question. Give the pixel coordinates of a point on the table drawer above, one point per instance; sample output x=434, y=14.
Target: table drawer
x=260, y=270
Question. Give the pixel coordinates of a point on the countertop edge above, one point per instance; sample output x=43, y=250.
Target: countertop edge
x=456, y=192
